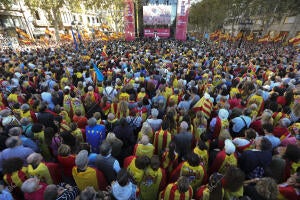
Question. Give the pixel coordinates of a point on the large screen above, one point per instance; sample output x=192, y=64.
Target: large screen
x=157, y=14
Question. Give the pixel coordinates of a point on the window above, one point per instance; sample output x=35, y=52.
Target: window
x=97, y=19
x=89, y=20
x=37, y=15
x=80, y=18
x=289, y=20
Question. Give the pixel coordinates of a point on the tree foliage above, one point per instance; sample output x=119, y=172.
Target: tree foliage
x=52, y=8
x=209, y=15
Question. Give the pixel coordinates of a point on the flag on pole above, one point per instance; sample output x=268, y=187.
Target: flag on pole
x=48, y=32
x=99, y=74
x=75, y=42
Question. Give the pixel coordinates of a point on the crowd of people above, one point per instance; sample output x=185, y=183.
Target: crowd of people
x=170, y=120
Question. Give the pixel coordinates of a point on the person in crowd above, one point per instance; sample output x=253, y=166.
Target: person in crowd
x=27, y=142
x=153, y=121
x=33, y=189
x=183, y=141
x=123, y=188
x=106, y=163
x=60, y=192
x=15, y=149
x=162, y=138
x=14, y=175
x=213, y=190
x=66, y=161
x=153, y=180
x=180, y=189
x=254, y=162
x=85, y=176
x=116, y=144
x=261, y=189
x=95, y=134
x=144, y=147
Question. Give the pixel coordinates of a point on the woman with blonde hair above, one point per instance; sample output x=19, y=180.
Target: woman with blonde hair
x=116, y=144
x=263, y=188
x=123, y=110
x=146, y=130
x=265, y=118
x=200, y=125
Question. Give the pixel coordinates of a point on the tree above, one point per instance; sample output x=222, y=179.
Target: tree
x=211, y=14
x=113, y=8
x=6, y=3
x=52, y=8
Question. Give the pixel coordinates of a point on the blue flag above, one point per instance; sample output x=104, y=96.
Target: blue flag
x=79, y=38
x=99, y=74
x=75, y=42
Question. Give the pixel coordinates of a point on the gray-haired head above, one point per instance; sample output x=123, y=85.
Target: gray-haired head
x=15, y=131
x=154, y=112
x=30, y=185
x=92, y=121
x=12, y=142
x=81, y=159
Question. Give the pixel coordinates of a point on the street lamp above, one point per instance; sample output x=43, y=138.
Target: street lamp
x=76, y=24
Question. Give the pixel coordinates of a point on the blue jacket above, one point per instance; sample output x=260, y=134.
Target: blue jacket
x=94, y=136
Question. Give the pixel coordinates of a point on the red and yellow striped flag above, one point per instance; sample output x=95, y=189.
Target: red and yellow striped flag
x=48, y=32
x=23, y=34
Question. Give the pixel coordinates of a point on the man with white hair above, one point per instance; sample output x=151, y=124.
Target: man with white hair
x=27, y=142
x=183, y=141
x=153, y=121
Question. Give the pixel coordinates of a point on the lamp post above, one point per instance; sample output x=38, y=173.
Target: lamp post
x=76, y=24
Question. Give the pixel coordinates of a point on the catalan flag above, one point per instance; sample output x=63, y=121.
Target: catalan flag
x=48, y=32
x=250, y=37
x=295, y=40
x=264, y=39
x=23, y=34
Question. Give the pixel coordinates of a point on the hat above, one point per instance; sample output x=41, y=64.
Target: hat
x=67, y=88
x=267, y=87
x=223, y=114
x=90, y=88
x=81, y=159
x=229, y=147
x=184, y=125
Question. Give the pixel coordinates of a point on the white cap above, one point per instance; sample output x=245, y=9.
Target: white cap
x=229, y=147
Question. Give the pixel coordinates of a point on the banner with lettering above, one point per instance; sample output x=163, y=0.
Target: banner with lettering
x=129, y=20
x=161, y=32
x=182, y=19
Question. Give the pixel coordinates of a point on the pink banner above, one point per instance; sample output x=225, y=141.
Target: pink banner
x=129, y=20
x=161, y=32
x=182, y=19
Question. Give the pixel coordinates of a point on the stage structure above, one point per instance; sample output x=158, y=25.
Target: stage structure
x=129, y=23
x=183, y=7
x=157, y=20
